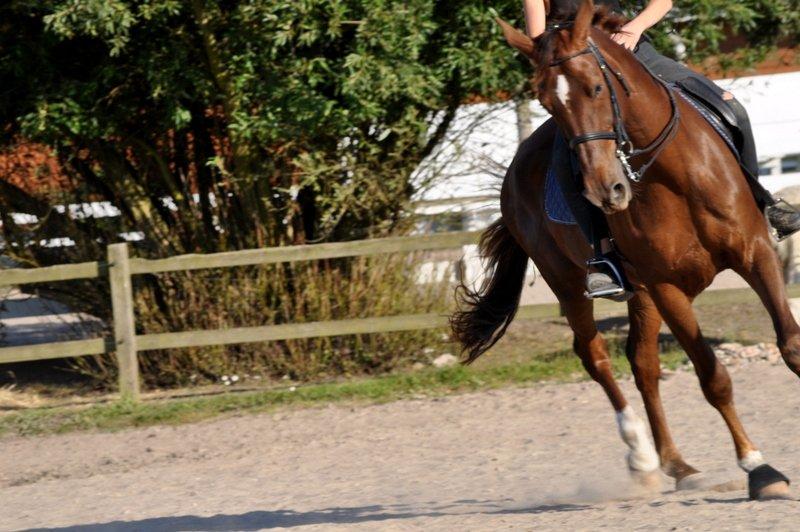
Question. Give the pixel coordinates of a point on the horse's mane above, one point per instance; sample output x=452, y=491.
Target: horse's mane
x=546, y=44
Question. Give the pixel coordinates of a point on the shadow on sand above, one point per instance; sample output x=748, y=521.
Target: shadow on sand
x=289, y=518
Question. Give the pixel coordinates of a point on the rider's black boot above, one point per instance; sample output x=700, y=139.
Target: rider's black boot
x=784, y=218
x=605, y=277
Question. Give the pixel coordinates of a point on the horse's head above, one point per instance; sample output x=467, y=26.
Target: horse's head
x=572, y=86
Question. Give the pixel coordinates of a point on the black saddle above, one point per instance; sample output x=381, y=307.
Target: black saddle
x=714, y=109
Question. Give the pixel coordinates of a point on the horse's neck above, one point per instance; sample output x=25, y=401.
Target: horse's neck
x=646, y=111
x=646, y=114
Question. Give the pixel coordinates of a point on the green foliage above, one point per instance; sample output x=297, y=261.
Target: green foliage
x=709, y=28
x=304, y=120
x=109, y=20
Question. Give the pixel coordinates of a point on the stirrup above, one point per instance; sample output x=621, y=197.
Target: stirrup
x=621, y=292
x=612, y=293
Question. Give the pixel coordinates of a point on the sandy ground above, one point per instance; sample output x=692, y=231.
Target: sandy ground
x=545, y=457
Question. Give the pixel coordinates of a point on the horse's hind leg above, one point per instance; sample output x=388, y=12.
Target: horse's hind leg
x=763, y=273
x=676, y=308
x=642, y=351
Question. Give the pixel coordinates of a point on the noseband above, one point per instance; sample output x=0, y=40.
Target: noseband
x=625, y=149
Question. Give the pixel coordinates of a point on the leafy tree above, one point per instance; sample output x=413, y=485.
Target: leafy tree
x=736, y=34
x=265, y=122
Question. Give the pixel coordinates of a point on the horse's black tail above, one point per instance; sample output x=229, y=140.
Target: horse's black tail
x=484, y=315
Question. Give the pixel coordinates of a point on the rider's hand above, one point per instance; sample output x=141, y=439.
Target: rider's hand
x=628, y=36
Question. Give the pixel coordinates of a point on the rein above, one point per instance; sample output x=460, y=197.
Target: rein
x=625, y=149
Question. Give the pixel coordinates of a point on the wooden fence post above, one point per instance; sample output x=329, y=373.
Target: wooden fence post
x=119, y=275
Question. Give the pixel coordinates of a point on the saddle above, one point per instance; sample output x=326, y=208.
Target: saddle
x=714, y=109
x=710, y=106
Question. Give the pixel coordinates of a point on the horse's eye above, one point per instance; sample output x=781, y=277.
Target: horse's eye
x=598, y=89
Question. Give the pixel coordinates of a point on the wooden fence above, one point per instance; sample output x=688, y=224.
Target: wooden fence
x=125, y=343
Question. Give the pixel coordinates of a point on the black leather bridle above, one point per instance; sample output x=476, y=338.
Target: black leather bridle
x=624, y=146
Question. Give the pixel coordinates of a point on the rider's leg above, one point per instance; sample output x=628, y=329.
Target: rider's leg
x=782, y=217
x=747, y=143
x=569, y=182
x=606, y=277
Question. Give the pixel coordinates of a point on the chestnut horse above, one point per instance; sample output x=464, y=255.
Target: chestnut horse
x=690, y=216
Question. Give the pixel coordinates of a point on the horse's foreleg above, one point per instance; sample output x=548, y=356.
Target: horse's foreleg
x=763, y=273
x=642, y=351
x=676, y=308
x=591, y=348
x=567, y=281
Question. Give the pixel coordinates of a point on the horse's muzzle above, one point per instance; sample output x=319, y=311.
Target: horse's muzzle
x=611, y=198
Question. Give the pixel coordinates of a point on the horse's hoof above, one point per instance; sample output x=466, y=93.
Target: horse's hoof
x=705, y=482
x=649, y=480
x=765, y=482
x=778, y=490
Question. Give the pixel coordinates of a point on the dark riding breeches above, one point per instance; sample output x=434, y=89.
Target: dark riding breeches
x=567, y=169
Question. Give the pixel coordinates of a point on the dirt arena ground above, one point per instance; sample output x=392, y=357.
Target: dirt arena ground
x=545, y=457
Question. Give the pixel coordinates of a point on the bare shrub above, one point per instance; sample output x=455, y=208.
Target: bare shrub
x=302, y=292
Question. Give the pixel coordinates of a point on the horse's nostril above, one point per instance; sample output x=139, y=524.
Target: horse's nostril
x=618, y=191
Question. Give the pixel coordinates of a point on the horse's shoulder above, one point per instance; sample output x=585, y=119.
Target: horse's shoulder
x=541, y=140
x=532, y=154
x=523, y=186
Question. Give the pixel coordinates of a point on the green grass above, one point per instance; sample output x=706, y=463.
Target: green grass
x=555, y=367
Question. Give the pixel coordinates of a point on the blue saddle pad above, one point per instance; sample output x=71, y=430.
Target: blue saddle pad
x=555, y=204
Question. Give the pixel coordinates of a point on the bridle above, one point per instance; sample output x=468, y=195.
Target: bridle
x=624, y=146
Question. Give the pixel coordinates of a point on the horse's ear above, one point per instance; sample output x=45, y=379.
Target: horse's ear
x=517, y=39
x=583, y=22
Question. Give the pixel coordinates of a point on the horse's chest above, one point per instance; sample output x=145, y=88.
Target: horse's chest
x=664, y=253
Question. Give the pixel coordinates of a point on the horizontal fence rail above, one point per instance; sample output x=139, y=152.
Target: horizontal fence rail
x=125, y=343
x=67, y=349
x=62, y=272
x=291, y=331
x=334, y=250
